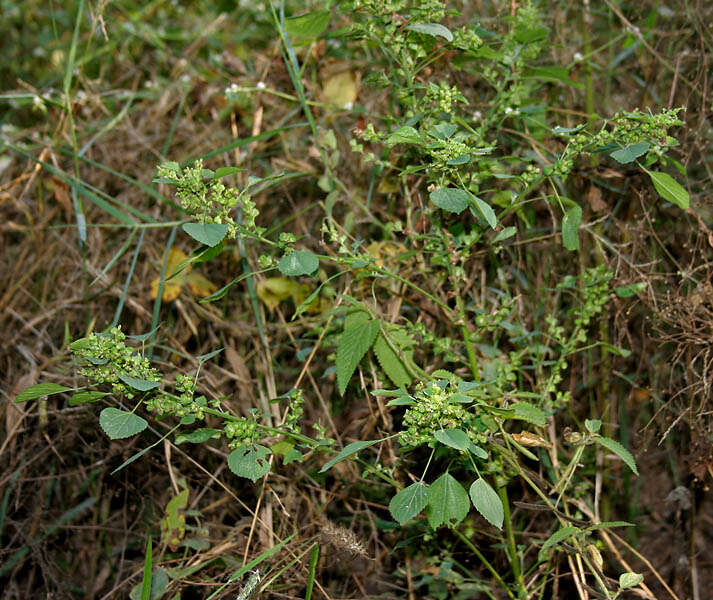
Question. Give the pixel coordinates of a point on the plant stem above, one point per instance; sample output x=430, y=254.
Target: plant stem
x=512, y=547
x=485, y=562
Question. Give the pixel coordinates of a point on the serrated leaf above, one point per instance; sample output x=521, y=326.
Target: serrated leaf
x=348, y=450
x=630, y=153
x=630, y=580
x=669, y=189
x=249, y=461
x=450, y=199
x=390, y=362
x=353, y=345
x=557, y=537
x=448, y=502
x=409, y=502
x=432, y=29
x=404, y=135
x=485, y=211
x=39, y=390
x=308, y=25
x=143, y=385
x=487, y=502
x=210, y=234
x=619, y=450
x=627, y=291
x=455, y=438
x=570, y=227
x=120, y=424
x=592, y=425
x=198, y=436
x=86, y=396
x=298, y=262
x=528, y=412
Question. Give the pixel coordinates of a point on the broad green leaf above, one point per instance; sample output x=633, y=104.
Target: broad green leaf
x=159, y=584
x=554, y=74
x=451, y=199
x=348, y=450
x=557, y=537
x=477, y=451
x=630, y=580
x=669, y=189
x=308, y=25
x=529, y=412
x=619, y=450
x=120, y=424
x=86, y=396
x=455, y=438
x=225, y=171
x=485, y=211
x=570, y=227
x=432, y=29
x=487, y=502
x=390, y=362
x=592, y=425
x=506, y=233
x=627, y=291
x=630, y=153
x=353, y=345
x=39, y=390
x=198, y=436
x=249, y=461
x=443, y=131
x=298, y=262
x=404, y=135
x=210, y=234
x=143, y=385
x=409, y=502
x=448, y=502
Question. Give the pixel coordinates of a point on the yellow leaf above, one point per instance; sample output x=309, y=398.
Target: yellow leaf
x=340, y=88
x=200, y=286
x=274, y=290
x=527, y=438
x=178, y=274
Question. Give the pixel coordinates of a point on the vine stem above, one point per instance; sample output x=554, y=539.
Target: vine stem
x=512, y=547
x=485, y=562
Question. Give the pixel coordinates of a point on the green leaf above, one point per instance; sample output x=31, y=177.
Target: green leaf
x=404, y=135
x=630, y=153
x=592, y=425
x=85, y=397
x=553, y=74
x=390, y=362
x=159, y=584
x=249, y=461
x=39, y=390
x=487, y=502
x=451, y=199
x=409, y=502
x=486, y=212
x=308, y=25
x=506, y=233
x=570, y=227
x=210, y=234
x=198, y=436
x=348, y=450
x=353, y=345
x=557, y=537
x=478, y=451
x=619, y=450
x=669, y=189
x=455, y=438
x=448, y=502
x=298, y=262
x=529, y=412
x=630, y=580
x=225, y=171
x=608, y=524
x=627, y=291
x=432, y=29
x=120, y=424
x=143, y=385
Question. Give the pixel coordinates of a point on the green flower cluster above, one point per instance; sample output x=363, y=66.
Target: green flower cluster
x=434, y=410
x=240, y=432
x=108, y=357
x=295, y=412
x=206, y=199
x=444, y=96
x=182, y=405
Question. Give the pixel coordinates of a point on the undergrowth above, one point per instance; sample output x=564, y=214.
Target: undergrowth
x=408, y=286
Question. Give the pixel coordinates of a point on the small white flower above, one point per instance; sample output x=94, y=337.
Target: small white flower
x=349, y=106
x=477, y=115
x=578, y=57
x=260, y=85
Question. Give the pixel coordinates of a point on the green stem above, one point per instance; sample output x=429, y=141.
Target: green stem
x=485, y=562
x=512, y=547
